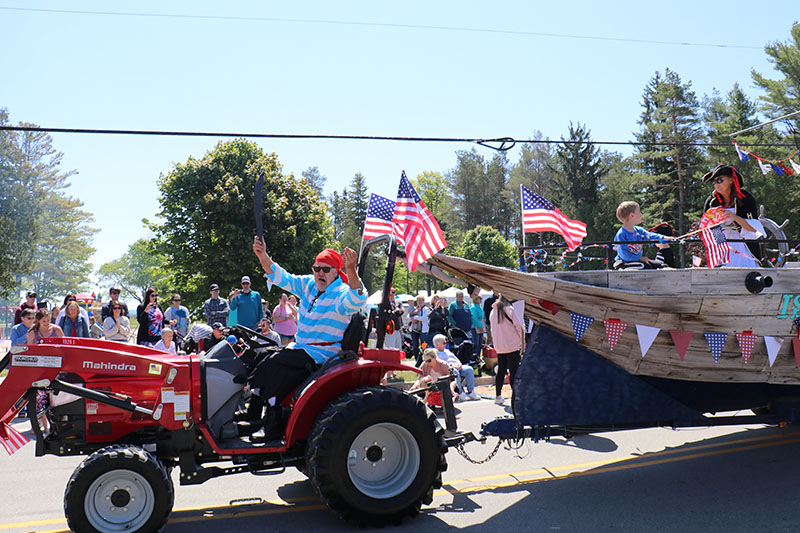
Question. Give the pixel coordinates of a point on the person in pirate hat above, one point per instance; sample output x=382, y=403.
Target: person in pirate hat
x=328, y=298
x=739, y=206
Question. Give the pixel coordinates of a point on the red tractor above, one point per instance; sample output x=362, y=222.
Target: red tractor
x=373, y=453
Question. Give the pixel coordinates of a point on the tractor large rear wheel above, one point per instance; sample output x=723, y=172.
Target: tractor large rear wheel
x=375, y=455
x=118, y=488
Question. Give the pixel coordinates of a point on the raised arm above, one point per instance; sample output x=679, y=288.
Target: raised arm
x=350, y=264
x=260, y=249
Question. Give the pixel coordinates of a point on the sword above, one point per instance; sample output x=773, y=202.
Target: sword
x=258, y=206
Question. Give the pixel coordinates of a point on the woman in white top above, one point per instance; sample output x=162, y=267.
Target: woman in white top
x=117, y=327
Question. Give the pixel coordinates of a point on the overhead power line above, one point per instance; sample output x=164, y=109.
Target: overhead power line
x=378, y=25
x=496, y=143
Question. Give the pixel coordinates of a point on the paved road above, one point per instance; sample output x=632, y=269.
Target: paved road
x=742, y=478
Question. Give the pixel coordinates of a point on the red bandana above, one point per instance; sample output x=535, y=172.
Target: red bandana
x=332, y=258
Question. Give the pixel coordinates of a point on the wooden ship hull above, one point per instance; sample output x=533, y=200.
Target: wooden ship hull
x=696, y=300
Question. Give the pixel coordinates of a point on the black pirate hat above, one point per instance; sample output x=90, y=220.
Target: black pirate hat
x=726, y=170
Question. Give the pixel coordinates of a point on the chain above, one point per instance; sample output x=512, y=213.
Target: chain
x=463, y=453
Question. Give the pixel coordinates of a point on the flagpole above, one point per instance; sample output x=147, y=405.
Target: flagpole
x=764, y=124
x=699, y=230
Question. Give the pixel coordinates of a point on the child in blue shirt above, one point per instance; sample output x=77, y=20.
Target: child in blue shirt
x=629, y=256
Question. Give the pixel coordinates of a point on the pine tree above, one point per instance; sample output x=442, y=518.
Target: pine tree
x=783, y=95
x=668, y=153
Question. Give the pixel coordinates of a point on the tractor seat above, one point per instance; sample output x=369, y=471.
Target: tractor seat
x=341, y=357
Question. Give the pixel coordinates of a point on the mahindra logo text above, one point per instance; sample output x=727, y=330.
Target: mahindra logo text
x=109, y=366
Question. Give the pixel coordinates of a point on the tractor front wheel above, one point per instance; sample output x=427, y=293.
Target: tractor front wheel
x=375, y=455
x=118, y=488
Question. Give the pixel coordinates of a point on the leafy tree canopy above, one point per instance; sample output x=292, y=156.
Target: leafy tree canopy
x=137, y=269
x=207, y=210
x=487, y=245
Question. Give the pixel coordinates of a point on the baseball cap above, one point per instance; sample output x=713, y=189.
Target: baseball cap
x=217, y=325
x=31, y=294
x=214, y=287
x=113, y=289
x=245, y=279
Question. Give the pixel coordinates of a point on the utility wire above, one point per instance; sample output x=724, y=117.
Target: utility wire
x=497, y=143
x=378, y=25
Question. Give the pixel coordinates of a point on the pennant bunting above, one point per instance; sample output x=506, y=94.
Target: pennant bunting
x=795, y=166
x=10, y=439
x=786, y=171
x=550, y=307
x=716, y=340
x=773, y=347
x=580, y=323
x=647, y=334
x=742, y=154
x=764, y=168
x=776, y=168
x=796, y=346
x=614, y=329
x=747, y=342
x=681, y=339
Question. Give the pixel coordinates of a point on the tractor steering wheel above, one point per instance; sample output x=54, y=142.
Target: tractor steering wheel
x=248, y=335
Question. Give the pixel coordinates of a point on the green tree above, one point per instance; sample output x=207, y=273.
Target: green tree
x=60, y=232
x=207, y=212
x=140, y=267
x=668, y=153
x=19, y=222
x=578, y=165
x=434, y=189
x=782, y=95
x=535, y=171
x=315, y=179
x=355, y=211
x=777, y=193
x=61, y=255
x=487, y=245
x=465, y=182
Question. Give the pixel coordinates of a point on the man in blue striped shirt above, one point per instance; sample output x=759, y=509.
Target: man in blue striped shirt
x=327, y=300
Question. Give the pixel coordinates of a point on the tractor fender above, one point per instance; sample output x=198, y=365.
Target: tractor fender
x=332, y=384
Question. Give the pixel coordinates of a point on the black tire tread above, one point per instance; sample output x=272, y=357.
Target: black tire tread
x=330, y=424
x=73, y=501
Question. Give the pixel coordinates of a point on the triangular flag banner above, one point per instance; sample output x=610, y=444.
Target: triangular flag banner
x=776, y=169
x=747, y=342
x=716, y=340
x=786, y=171
x=550, y=307
x=681, y=339
x=742, y=153
x=764, y=168
x=773, y=346
x=580, y=324
x=647, y=334
x=795, y=166
x=614, y=329
x=796, y=346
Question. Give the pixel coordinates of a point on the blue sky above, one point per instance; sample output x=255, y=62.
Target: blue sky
x=294, y=75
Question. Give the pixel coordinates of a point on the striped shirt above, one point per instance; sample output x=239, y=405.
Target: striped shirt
x=323, y=316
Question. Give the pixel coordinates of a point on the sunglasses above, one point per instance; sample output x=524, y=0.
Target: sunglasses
x=116, y=309
x=324, y=269
x=719, y=180
x=427, y=360
x=176, y=299
x=245, y=283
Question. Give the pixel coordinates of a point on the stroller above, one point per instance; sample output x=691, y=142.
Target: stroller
x=463, y=348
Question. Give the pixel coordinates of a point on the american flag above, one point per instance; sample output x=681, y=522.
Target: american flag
x=717, y=250
x=11, y=439
x=414, y=226
x=379, y=216
x=540, y=215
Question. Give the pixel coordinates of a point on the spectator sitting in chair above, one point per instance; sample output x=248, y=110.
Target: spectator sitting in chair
x=464, y=371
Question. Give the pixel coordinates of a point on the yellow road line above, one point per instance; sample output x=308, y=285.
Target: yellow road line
x=651, y=459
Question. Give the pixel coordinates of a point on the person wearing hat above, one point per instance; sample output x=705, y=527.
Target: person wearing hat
x=215, y=308
x=740, y=213
x=217, y=335
x=247, y=304
x=113, y=294
x=328, y=298
x=29, y=303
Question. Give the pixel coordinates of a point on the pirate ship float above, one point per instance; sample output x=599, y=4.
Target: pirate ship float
x=638, y=348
